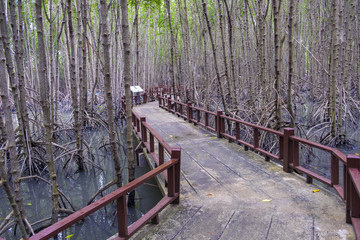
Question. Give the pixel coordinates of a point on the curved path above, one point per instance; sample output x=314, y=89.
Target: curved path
x=229, y=193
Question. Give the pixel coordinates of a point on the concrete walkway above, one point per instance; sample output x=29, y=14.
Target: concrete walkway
x=227, y=193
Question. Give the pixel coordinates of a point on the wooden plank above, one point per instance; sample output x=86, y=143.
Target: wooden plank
x=313, y=175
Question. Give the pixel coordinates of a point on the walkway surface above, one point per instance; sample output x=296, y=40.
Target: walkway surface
x=229, y=193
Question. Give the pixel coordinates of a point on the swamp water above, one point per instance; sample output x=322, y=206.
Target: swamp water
x=80, y=187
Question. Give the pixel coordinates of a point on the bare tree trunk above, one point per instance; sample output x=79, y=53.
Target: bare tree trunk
x=172, y=50
x=127, y=80
x=228, y=84
x=233, y=77
x=44, y=102
x=108, y=90
x=278, y=115
x=291, y=69
x=74, y=89
x=334, y=57
x=10, y=195
x=10, y=131
x=19, y=55
x=215, y=58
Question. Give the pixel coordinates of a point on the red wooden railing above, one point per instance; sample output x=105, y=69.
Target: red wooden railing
x=170, y=169
x=288, y=152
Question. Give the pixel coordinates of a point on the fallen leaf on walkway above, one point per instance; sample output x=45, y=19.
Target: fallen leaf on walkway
x=209, y=195
x=29, y=204
x=213, y=137
x=315, y=167
x=69, y=236
x=206, y=135
x=356, y=154
x=266, y=200
x=316, y=190
x=171, y=136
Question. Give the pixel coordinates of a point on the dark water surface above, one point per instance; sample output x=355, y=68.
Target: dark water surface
x=80, y=187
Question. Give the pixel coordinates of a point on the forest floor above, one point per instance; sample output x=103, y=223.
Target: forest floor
x=229, y=193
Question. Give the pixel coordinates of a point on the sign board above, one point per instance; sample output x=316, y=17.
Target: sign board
x=136, y=89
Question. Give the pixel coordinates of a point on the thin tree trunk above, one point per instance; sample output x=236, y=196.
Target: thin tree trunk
x=291, y=68
x=6, y=185
x=9, y=128
x=215, y=57
x=44, y=102
x=74, y=88
x=127, y=80
x=172, y=50
x=108, y=90
x=278, y=116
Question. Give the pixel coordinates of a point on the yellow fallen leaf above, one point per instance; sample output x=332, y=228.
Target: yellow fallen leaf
x=356, y=154
x=266, y=200
x=171, y=136
x=315, y=167
x=206, y=135
x=316, y=190
x=69, y=236
x=213, y=137
x=29, y=204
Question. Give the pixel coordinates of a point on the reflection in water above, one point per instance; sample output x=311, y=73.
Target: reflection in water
x=80, y=187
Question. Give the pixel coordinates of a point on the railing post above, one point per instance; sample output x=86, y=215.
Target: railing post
x=256, y=138
x=122, y=217
x=198, y=115
x=237, y=130
x=136, y=100
x=143, y=129
x=152, y=148
x=334, y=170
x=206, y=119
x=169, y=104
x=288, y=150
x=133, y=118
x=145, y=98
x=175, y=108
x=352, y=198
x=176, y=154
x=161, y=154
x=189, y=111
x=159, y=99
x=218, y=123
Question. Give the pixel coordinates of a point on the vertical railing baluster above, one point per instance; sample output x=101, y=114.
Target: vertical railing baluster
x=218, y=123
x=288, y=132
x=334, y=170
x=161, y=154
x=256, y=138
x=143, y=129
x=237, y=130
x=152, y=148
x=169, y=104
x=137, y=125
x=176, y=154
x=122, y=217
x=198, y=115
x=206, y=119
x=189, y=110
